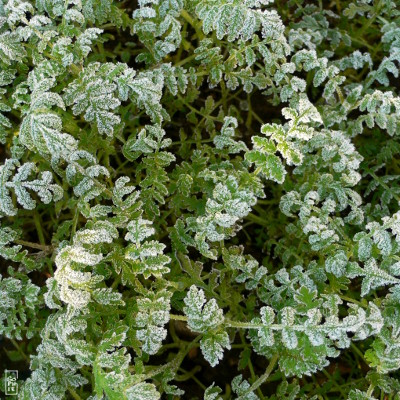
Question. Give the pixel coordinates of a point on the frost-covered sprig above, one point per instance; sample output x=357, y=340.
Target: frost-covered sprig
x=153, y=314
x=227, y=206
x=158, y=19
x=207, y=318
x=19, y=298
x=22, y=186
x=285, y=140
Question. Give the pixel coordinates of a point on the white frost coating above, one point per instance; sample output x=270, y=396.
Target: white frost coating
x=206, y=317
x=44, y=188
x=237, y=19
x=139, y=230
x=72, y=281
x=152, y=316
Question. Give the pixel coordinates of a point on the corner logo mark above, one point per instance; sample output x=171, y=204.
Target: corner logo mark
x=11, y=382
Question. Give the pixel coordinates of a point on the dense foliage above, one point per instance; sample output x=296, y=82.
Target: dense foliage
x=200, y=199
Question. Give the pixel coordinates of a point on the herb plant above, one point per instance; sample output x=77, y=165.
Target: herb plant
x=200, y=199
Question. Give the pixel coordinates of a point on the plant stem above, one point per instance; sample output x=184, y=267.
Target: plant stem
x=185, y=60
x=370, y=391
x=186, y=16
x=74, y=222
x=38, y=225
x=178, y=317
x=176, y=362
x=256, y=219
x=20, y=351
x=46, y=248
x=74, y=394
x=339, y=389
x=350, y=300
x=262, y=379
x=358, y=352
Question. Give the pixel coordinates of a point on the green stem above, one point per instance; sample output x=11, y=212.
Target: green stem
x=25, y=243
x=249, y=112
x=370, y=391
x=185, y=60
x=192, y=142
x=190, y=375
x=250, y=365
x=38, y=225
x=350, y=300
x=339, y=389
x=256, y=219
x=198, y=112
x=178, y=317
x=262, y=379
x=20, y=351
x=186, y=16
x=176, y=362
x=74, y=222
x=249, y=325
x=116, y=282
x=370, y=21
x=358, y=352
x=74, y=394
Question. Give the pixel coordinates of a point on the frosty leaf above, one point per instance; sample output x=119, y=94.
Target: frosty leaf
x=175, y=78
x=153, y=314
x=100, y=98
x=42, y=132
x=97, y=10
x=139, y=230
x=364, y=246
x=265, y=334
x=148, y=258
x=107, y=297
x=226, y=140
x=336, y=264
x=202, y=316
x=6, y=203
x=113, y=338
x=11, y=48
x=268, y=164
x=212, y=393
x=45, y=189
x=14, y=294
x=124, y=196
x=289, y=337
x=75, y=285
x=241, y=387
x=374, y=277
x=99, y=232
x=238, y=19
x=92, y=95
x=52, y=294
x=85, y=181
x=282, y=139
x=142, y=391
x=227, y=205
x=145, y=89
x=212, y=346
x=152, y=22
x=356, y=394
x=381, y=238
x=85, y=39
x=305, y=113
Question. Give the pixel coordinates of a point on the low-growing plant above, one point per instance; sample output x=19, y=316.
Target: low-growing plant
x=200, y=199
